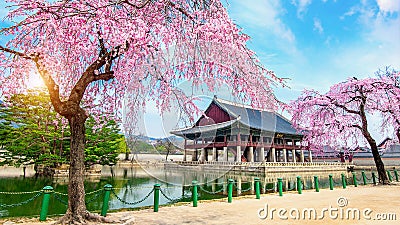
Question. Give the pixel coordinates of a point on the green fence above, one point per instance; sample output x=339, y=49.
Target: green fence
x=47, y=197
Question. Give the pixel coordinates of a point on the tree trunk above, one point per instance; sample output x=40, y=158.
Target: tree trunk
x=127, y=152
x=76, y=190
x=380, y=167
x=383, y=179
x=76, y=212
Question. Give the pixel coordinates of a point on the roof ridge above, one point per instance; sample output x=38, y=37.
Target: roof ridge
x=249, y=107
x=224, y=101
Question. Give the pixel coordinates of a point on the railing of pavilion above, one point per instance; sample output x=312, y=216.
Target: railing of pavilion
x=243, y=143
x=266, y=164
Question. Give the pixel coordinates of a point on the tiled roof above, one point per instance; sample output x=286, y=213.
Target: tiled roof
x=265, y=121
x=257, y=119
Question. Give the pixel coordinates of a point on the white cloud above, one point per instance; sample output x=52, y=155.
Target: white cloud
x=318, y=26
x=301, y=6
x=351, y=12
x=261, y=18
x=389, y=6
x=263, y=14
x=379, y=45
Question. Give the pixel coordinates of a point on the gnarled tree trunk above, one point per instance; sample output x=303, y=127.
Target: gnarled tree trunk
x=380, y=167
x=77, y=212
x=76, y=190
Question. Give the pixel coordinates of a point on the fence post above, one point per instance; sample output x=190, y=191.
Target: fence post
x=230, y=187
x=396, y=174
x=107, y=191
x=343, y=181
x=194, y=193
x=330, y=182
x=389, y=175
x=299, y=186
x=280, y=186
x=257, y=183
x=47, y=190
x=156, y=196
x=373, y=178
x=316, y=183
x=364, y=177
x=354, y=179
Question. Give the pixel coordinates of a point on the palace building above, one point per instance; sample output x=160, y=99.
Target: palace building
x=251, y=135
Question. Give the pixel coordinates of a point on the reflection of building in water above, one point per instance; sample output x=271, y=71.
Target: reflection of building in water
x=251, y=135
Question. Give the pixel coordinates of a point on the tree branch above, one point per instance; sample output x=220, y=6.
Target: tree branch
x=180, y=9
x=51, y=85
x=136, y=6
x=104, y=76
x=48, y=80
x=23, y=55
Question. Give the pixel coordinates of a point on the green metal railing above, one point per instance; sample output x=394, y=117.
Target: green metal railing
x=225, y=188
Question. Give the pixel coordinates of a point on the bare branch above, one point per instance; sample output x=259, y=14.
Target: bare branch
x=51, y=85
x=23, y=55
x=104, y=76
x=136, y=6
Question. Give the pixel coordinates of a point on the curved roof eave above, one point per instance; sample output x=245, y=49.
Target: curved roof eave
x=202, y=129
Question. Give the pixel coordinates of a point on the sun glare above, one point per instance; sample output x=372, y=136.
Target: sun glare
x=35, y=81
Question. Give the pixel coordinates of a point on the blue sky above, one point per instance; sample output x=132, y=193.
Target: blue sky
x=315, y=43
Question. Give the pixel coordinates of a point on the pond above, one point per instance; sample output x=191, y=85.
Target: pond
x=132, y=185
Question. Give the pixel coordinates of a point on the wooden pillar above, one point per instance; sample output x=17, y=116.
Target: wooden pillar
x=214, y=156
x=273, y=155
x=309, y=156
x=194, y=155
x=262, y=155
x=184, y=151
x=238, y=154
x=284, y=155
x=225, y=154
x=294, y=155
x=203, y=155
x=251, y=154
x=302, y=155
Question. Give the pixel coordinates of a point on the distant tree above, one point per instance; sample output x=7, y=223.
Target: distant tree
x=31, y=130
x=165, y=146
x=34, y=134
x=103, y=142
x=339, y=117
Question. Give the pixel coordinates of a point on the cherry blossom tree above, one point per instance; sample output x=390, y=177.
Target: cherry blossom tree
x=389, y=96
x=339, y=118
x=90, y=53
